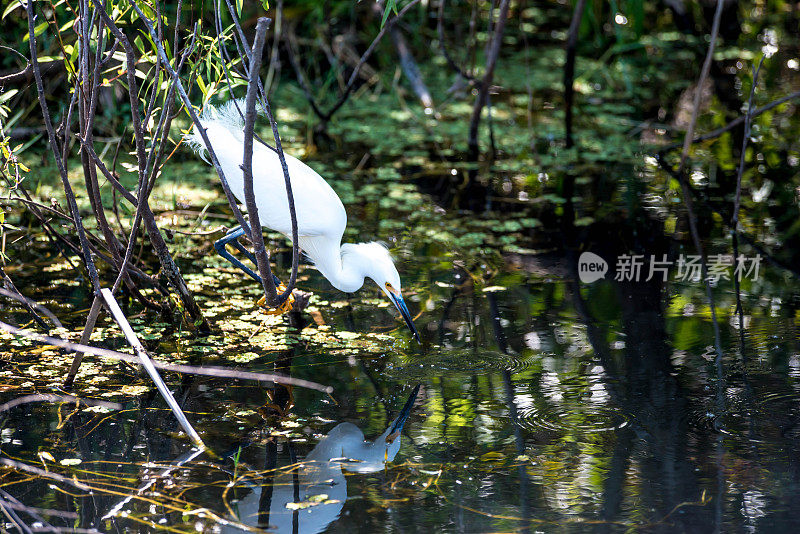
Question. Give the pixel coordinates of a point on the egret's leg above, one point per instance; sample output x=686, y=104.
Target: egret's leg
x=241, y=248
x=232, y=238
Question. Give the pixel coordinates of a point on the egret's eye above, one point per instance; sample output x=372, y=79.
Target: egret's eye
x=390, y=287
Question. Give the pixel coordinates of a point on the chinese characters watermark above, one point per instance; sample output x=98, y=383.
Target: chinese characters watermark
x=686, y=268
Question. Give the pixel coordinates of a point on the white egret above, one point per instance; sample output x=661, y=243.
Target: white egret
x=321, y=217
x=309, y=498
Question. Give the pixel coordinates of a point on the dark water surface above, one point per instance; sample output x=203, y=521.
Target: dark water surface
x=545, y=405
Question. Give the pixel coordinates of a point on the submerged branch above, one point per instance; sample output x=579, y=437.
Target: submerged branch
x=49, y=397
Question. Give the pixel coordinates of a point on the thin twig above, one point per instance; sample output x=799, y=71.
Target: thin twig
x=168, y=265
x=195, y=120
x=492, y=53
x=407, y=62
x=680, y=174
x=713, y=134
x=698, y=93
x=274, y=57
x=156, y=152
x=325, y=116
x=73, y=205
x=737, y=202
x=443, y=49
x=569, y=69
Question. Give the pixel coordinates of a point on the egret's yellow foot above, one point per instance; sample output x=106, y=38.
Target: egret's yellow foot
x=286, y=307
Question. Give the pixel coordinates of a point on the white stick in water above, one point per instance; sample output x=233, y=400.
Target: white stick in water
x=130, y=335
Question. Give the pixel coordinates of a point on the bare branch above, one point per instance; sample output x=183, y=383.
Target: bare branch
x=687, y=140
x=48, y=397
x=12, y=292
x=492, y=53
x=256, y=236
x=168, y=265
x=147, y=363
x=73, y=205
x=569, y=69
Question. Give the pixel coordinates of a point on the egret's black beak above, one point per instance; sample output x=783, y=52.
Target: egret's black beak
x=397, y=427
x=401, y=306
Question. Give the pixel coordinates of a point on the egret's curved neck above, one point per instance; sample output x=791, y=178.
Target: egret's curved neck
x=345, y=271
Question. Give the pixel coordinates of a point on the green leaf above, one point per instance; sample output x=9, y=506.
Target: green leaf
x=148, y=11
x=37, y=31
x=239, y=5
x=265, y=4
x=11, y=7
x=7, y=94
x=73, y=55
x=391, y=5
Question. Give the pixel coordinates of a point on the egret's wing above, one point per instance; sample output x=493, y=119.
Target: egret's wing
x=318, y=208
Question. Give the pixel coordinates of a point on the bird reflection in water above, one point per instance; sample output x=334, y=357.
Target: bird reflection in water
x=308, y=499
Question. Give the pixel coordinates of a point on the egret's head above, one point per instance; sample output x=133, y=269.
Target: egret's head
x=374, y=456
x=379, y=266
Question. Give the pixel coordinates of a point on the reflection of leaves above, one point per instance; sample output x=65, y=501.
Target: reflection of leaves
x=493, y=456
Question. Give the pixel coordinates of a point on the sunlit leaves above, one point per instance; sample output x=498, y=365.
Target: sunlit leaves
x=11, y=7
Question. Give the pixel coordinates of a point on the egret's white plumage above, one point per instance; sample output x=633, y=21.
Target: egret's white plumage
x=319, y=210
x=321, y=217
